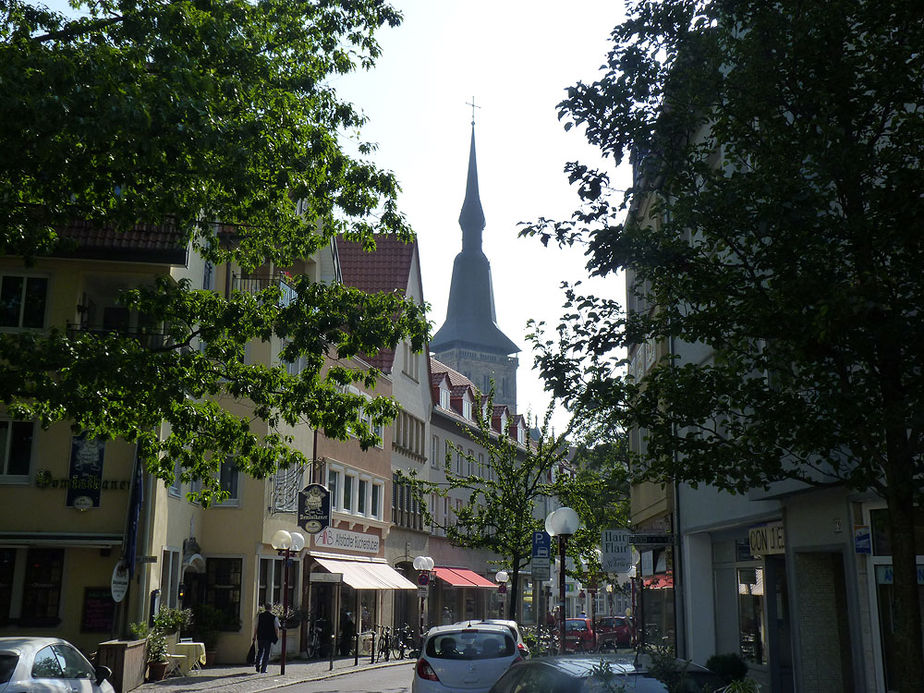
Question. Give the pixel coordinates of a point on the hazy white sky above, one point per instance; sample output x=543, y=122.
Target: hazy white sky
x=516, y=58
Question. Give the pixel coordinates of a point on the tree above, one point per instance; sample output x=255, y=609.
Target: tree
x=775, y=216
x=500, y=512
x=197, y=115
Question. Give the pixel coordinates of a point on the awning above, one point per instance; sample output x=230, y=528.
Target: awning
x=367, y=575
x=659, y=582
x=462, y=577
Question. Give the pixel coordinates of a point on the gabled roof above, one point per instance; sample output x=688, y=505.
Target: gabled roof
x=387, y=268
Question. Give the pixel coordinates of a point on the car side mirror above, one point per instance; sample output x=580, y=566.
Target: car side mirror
x=103, y=674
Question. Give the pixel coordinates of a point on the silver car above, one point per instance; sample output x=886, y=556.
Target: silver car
x=464, y=658
x=512, y=625
x=48, y=665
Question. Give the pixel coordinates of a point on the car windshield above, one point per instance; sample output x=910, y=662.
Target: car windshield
x=470, y=644
x=7, y=665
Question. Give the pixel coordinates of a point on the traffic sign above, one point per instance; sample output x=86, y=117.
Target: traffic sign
x=542, y=545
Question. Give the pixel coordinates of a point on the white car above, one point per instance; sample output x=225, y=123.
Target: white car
x=464, y=657
x=513, y=626
x=48, y=664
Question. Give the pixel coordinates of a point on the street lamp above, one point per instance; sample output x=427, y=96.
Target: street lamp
x=286, y=543
x=423, y=564
x=501, y=578
x=562, y=523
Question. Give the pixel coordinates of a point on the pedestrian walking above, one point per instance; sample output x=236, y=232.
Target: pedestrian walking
x=266, y=634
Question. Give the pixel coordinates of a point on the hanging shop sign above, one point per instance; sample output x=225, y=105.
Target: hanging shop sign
x=314, y=508
x=86, y=473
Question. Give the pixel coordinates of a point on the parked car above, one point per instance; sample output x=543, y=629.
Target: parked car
x=48, y=664
x=613, y=632
x=462, y=656
x=514, y=630
x=584, y=674
x=579, y=635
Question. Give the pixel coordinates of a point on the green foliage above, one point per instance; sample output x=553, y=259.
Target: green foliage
x=214, y=119
x=166, y=622
x=775, y=216
x=169, y=620
x=500, y=513
x=730, y=666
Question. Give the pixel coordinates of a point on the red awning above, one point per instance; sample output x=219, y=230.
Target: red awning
x=462, y=577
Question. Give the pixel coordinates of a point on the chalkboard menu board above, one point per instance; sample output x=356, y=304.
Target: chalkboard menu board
x=98, y=610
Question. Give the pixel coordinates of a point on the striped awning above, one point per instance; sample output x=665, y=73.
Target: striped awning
x=463, y=577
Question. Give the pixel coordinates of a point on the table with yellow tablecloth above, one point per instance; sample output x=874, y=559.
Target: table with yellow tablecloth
x=193, y=655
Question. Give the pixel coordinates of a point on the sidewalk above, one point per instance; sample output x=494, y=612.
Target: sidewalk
x=243, y=679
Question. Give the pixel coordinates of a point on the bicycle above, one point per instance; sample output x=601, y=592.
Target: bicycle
x=404, y=643
x=384, y=647
x=313, y=648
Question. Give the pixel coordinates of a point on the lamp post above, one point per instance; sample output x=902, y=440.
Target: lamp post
x=423, y=564
x=286, y=543
x=501, y=578
x=562, y=523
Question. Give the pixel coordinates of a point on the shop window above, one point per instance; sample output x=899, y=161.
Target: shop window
x=223, y=587
x=270, y=587
x=22, y=301
x=15, y=448
x=42, y=587
x=7, y=569
x=752, y=630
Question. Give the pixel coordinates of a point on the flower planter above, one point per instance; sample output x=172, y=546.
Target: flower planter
x=156, y=671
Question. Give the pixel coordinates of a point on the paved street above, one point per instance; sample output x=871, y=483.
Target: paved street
x=243, y=679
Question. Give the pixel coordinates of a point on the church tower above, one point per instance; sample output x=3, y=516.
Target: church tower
x=470, y=340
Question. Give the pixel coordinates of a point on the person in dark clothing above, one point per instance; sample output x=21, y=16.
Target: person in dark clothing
x=266, y=633
x=347, y=633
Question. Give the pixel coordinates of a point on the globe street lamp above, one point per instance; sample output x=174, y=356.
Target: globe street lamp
x=286, y=543
x=562, y=523
x=423, y=564
x=501, y=578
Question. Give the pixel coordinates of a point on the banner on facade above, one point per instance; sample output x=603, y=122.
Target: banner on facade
x=86, y=473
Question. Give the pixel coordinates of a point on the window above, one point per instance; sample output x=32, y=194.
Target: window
x=752, y=629
x=447, y=456
x=375, y=508
x=270, y=587
x=435, y=452
x=22, y=301
x=349, y=485
x=444, y=397
x=411, y=363
x=174, y=488
x=333, y=485
x=467, y=407
x=361, y=496
x=471, y=462
x=229, y=481
x=15, y=447
x=459, y=469
x=170, y=578
x=42, y=587
x=7, y=569
x=208, y=274
x=409, y=435
x=223, y=587
x=481, y=464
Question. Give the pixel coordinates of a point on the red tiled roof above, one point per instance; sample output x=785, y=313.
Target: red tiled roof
x=456, y=379
x=387, y=268
x=143, y=242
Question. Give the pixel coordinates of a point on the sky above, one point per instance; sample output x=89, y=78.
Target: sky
x=516, y=58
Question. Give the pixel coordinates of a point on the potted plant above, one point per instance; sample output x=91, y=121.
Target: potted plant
x=155, y=649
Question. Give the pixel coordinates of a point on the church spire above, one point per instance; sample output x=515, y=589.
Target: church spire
x=471, y=218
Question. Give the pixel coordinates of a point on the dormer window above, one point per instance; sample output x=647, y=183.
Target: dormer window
x=467, y=407
x=444, y=395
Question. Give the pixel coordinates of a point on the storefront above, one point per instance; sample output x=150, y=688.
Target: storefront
x=460, y=594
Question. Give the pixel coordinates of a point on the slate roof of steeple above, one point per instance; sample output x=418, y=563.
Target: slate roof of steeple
x=470, y=317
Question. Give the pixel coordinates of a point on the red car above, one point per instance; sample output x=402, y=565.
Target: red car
x=579, y=635
x=613, y=632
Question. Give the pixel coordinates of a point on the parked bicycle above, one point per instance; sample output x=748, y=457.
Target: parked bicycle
x=383, y=650
x=313, y=648
x=403, y=643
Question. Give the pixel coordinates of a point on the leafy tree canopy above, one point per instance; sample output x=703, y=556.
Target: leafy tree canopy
x=198, y=115
x=775, y=216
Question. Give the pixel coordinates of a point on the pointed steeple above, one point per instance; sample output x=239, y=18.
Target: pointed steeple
x=471, y=218
x=470, y=317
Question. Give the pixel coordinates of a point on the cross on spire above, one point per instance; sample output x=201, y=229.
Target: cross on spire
x=472, y=104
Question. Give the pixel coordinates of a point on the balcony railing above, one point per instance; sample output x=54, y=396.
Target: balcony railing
x=253, y=283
